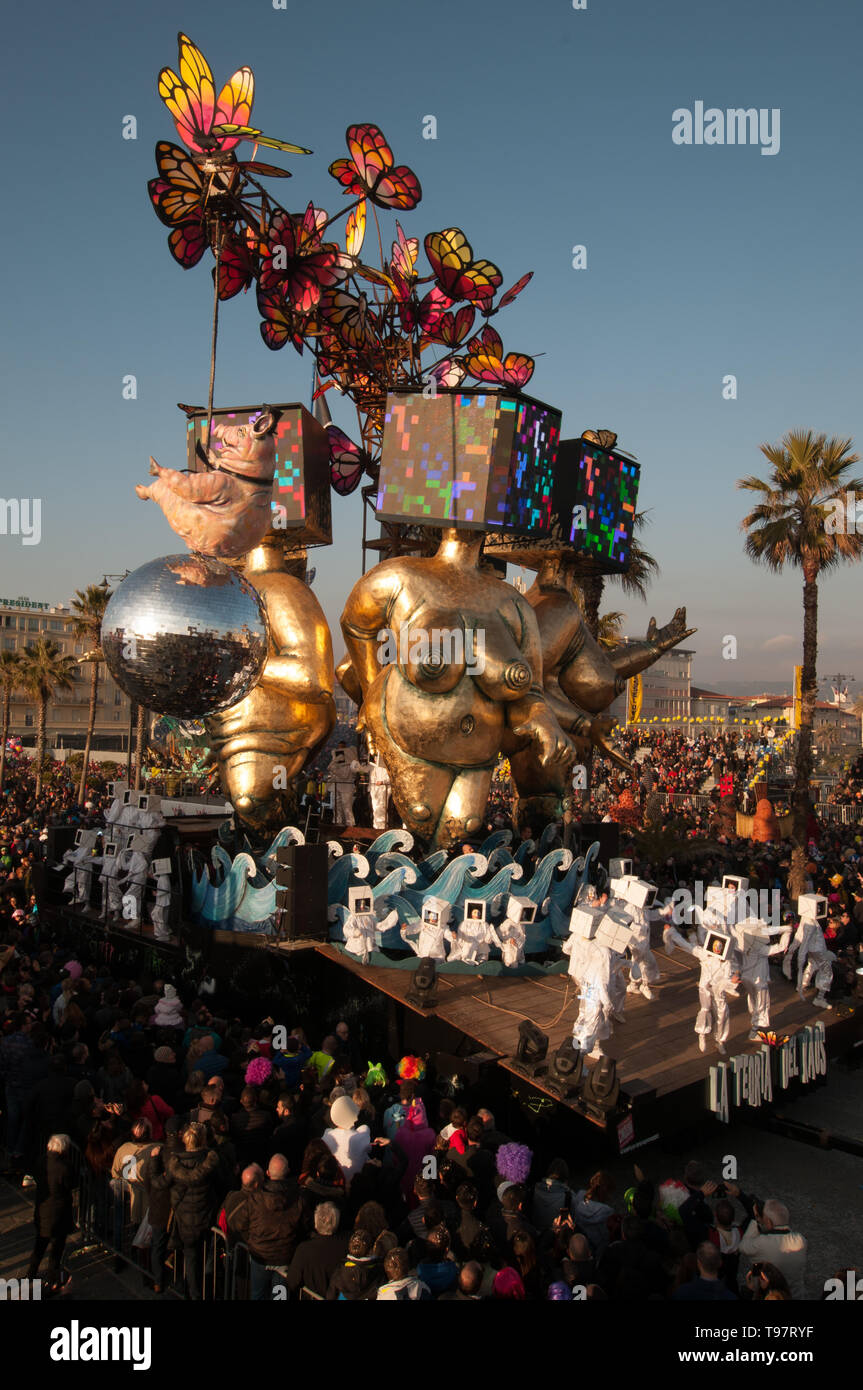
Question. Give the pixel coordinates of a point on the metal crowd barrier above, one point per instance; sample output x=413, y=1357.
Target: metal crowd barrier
x=109, y=1212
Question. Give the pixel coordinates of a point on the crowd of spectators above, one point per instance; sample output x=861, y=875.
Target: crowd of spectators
x=336, y=1180
x=848, y=790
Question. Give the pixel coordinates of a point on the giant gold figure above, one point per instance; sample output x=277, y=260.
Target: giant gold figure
x=265, y=740
x=439, y=713
x=580, y=680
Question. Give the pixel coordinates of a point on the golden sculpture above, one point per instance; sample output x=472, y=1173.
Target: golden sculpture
x=265, y=740
x=447, y=658
x=580, y=679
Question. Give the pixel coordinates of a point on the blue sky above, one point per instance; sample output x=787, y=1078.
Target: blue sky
x=554, y=129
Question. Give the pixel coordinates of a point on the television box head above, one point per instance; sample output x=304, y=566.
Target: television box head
x=521, y=910
x=756, y=935
x=736, y=882
x=583, y=921
x=619, y=868
x=812, y=907
x=435, y=912
x=161, y=866
x=116, y=789
x=717, y=944
x=79, y=835
x=722, y=901
x=636, y=892
x=479, y=460
x=111, y=850
x=302, y=510
x=592, y=511
x=360, y=900
x=474, y=909
x=614, y=932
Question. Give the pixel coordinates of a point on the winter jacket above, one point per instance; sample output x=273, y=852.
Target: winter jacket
x=292, y=1067
x=272, y=1224
x=591, y=1220
x=403, y=1290
x=192, y=1195
x=550, y=1195
x=358, y=1279
x=316, y=1261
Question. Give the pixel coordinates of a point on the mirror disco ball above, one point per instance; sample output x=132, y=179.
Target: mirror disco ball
x=185, y=635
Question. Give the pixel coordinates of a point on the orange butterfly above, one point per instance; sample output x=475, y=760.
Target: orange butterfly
x=458, y=274
x=371, y=172
x=349, y=316
x=204, y=121
x=485, y=361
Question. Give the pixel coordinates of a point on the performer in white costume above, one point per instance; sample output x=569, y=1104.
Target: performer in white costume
x=814, y=961
x=379, y=794
x=756, y=944
x=363, y=924
x=431, y=931
x=719, y=978
x=474, y=937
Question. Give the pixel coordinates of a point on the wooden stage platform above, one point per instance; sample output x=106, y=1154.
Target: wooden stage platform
x=656, y=1047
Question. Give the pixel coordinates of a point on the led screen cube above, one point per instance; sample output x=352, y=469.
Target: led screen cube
x=301, y=484
x=594, y=500
x=593, y=505
x=478, y=460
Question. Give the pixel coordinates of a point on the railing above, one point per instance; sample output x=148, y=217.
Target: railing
x=111, y=1211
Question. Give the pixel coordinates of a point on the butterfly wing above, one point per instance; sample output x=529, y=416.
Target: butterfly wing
x=178, y=192
x=517, y=369
x=387, y=185
x=191, y=97
x=355, y=229
x=450, y=255
x=347, y=461
x=449, y=373
x=188, y=242
x=277, y=326
x=236, y=267
x=454, y=328
x=247, y=132
x=264, y=171
x=234, y=104
x=516, y=290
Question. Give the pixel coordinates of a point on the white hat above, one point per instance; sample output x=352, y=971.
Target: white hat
x=344, y=1112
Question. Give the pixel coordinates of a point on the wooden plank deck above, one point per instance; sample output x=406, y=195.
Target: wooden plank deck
x=656, y=1045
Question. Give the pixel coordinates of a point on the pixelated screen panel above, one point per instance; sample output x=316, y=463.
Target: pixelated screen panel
x=594, y=499
x=475, y=459
x=302, y=464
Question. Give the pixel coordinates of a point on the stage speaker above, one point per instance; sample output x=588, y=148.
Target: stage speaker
x=301, y=892
x=60, y=838
x=606, y=832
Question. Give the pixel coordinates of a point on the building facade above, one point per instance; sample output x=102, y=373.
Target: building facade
x=22, y=622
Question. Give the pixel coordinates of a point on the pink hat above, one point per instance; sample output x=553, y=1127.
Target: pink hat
x=74, y=968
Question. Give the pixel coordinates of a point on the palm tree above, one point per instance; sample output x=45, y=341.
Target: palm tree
x=805, y=490
x=10, y=676
x=44, y=670
x=642, y=569
x=88, y=607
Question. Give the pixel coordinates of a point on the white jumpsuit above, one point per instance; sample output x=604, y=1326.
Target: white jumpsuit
x=473, y=940
x=360, y=932
x=379, y=795
x=814, y=963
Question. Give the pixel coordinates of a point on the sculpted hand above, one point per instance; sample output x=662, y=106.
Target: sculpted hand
x=673, y=632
